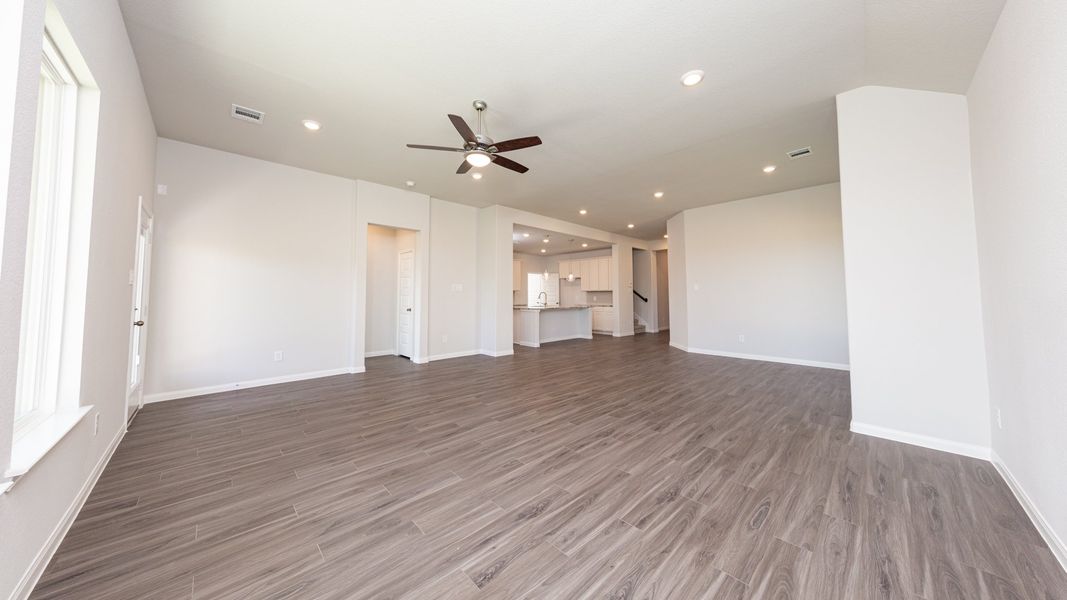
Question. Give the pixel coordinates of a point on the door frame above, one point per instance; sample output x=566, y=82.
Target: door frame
x=414, y=302
x=142, y=273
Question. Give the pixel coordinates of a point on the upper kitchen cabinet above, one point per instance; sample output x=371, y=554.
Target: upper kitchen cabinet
x=568, y=267
x=596, y=274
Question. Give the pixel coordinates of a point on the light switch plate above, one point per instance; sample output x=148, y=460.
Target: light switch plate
x=457, y=287
x=161, y=189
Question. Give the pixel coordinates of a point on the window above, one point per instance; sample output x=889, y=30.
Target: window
x=47, y=245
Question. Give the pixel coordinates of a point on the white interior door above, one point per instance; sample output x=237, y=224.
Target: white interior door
x=405, y=322
x=139, y=317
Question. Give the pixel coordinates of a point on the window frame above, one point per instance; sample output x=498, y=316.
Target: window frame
x=48, y=242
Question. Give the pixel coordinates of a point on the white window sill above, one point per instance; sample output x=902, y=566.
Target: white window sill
x=28, y=450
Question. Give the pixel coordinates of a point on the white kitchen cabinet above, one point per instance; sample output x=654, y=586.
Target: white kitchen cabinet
x=516, y=275
x=603, y=269
x=566, y=267
x=587, y=273
x=596, y=274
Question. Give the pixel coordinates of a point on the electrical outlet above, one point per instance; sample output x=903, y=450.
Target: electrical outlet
x=277, y=355
x=741, y=338
x=96, y=423
x=444, y=339
x=1000, y=423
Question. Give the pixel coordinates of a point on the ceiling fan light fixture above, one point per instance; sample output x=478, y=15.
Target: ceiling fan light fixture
x=478, y=158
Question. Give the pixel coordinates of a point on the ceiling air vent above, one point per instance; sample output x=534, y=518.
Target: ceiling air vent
x=246, y=114
x=799, y=152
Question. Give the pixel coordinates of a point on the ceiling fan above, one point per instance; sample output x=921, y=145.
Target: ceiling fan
x=479, y=149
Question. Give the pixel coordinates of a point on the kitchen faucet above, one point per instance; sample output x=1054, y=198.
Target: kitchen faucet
x=545, y=294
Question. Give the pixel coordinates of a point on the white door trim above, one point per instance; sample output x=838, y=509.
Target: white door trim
x=139, y=283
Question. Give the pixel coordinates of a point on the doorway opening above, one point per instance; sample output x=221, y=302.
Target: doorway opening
x=392, y=292
x=663, y=305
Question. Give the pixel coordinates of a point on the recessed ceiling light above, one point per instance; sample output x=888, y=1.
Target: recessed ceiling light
x=769, y=169
x=409, y=183
x=543, y=250
x=665, y=236
x=584, y=245
x=525, y=235
x=476, y=175
x=692, y=78
x=631, y=226
x=545, y=240
x=312, y=125
x=583, y=211
x=658, y=194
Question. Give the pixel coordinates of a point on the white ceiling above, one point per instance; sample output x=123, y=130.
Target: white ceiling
x=530, y=240
x=597, y=80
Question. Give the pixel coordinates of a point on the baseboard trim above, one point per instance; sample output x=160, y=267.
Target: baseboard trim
x=567, y=337
x=775, y=359
x=1057, y=545
x=40, y=562
x=496, y=354
x=460, y=354
x=925, y=441
x=239, y=385
x=379, y=353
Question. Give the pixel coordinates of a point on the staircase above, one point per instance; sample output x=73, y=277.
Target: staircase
x=638, y=327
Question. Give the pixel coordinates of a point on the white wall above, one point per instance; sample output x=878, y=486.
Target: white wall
x=678, y=285
x=453, y=279
x=1018, y=145
x=37, y=510
x=250, y=257
x=662, y=290
x=382, y=257
x=911, y=266
x=770, y=269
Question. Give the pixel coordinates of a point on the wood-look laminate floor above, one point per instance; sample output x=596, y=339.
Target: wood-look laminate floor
x=611, y=468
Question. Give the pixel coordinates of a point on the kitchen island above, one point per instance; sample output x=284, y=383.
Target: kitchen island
x=536, y=325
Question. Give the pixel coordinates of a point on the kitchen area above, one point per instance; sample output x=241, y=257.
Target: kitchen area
x=561, y=287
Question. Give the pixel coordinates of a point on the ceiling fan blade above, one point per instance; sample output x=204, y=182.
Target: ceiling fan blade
x=463, y=129
x=463, y=168
x=424, y=147
x=507, y=163
x=517, y=143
